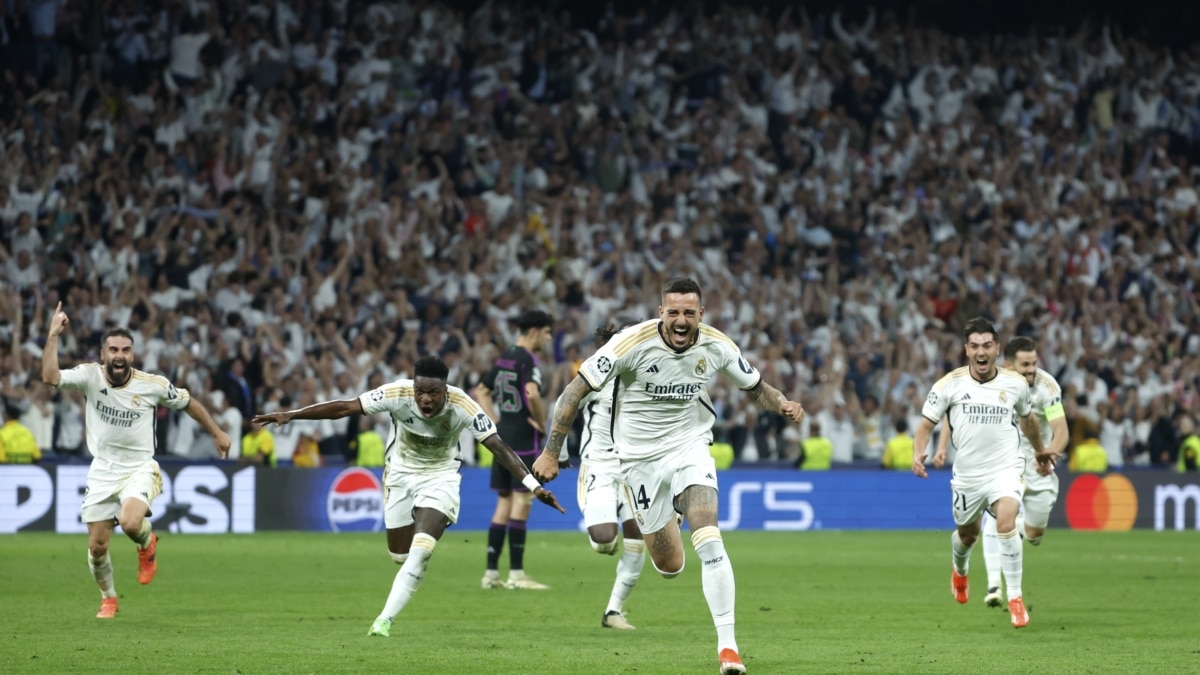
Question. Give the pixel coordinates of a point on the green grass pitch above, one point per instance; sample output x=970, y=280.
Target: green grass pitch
x=810, y=602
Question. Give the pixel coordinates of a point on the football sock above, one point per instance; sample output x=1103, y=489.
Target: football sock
x=408, y=579
x=1011, y=552
x=961, y=554
x=102, y=572
x=516, y=545
x=495, y=545
x=716, y=575
x=629, y=568
x=142, y=536
x=991, y=552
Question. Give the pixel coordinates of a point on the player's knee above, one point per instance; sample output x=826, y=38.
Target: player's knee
x=398, y=557
x=1034, y=541
x=668, y=569
x=97, y=551
x=604, y=547
x=131, y=525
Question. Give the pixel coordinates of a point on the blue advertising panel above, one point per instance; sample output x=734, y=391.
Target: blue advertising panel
x=350, y=500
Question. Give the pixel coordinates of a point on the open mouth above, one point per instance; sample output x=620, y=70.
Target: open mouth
x=679, y=334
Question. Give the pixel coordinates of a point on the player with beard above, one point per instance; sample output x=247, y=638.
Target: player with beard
x=662, y=428
x=123, y=479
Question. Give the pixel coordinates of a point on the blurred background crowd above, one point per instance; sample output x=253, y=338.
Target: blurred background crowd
x=291, y=202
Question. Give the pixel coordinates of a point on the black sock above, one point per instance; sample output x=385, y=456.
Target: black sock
x=495, y=545
x=516, y=544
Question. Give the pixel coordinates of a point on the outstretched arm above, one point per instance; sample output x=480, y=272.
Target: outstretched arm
x=504, y=454
x=198, y=412
x=565, y=409
x=327, y=410
x=772, y=400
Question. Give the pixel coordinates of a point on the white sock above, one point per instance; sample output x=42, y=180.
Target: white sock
x=411, y=573
x=1011, y=554
x=716, y=575
x=991, y=552
x=961, y=554
x=142, y=536
x=102, y=572
x=629, y=568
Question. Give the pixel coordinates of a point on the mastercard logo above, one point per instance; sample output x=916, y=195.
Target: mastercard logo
x=1095, y=503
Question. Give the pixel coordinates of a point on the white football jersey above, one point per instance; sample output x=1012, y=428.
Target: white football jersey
x=662, y=397
x=985, y=435
x=120, y=420
x=597, y=438
x=1046, y=398
x=417, y=443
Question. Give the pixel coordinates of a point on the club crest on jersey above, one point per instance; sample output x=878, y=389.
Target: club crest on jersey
x=137, y=401
x=701, y=366
x=446, y=424
x=1003, y=397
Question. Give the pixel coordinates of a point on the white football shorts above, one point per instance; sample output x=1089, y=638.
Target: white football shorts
x=973, y=496
x=1041, y=493
x=403, y=492
x=107, y=491
x=601, y=492
x=653, y=484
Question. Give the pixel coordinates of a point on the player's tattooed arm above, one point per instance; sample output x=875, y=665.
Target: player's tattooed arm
x=565, y=410
x=772, y=400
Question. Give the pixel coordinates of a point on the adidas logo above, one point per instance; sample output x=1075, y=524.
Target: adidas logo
x=652, y=369
x=408, y=421
x=966, y=397
x=710, y=476
x=104, y=391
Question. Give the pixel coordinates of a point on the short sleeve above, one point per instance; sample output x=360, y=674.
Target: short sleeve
x=174, y=398
x=739, y=371
x=387, y=398
x=75, y=378
x=1024, y=404
x=936, y=403
x=600, y=368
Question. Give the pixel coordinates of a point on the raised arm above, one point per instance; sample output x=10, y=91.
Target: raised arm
x=50, y=372
x=545, y=468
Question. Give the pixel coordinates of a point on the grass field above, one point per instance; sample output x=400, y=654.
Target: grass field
x=813, y=602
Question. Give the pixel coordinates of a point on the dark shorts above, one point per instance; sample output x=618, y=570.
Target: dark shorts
x=502, y=478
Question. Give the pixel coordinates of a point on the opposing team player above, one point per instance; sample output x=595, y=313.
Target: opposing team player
x=663, y=428
x=421, y=478
x=979, y=401
x=123, y=478
x=511, y=394
x=604, y=500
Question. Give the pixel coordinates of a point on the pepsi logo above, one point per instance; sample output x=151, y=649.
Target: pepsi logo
x=355, y=502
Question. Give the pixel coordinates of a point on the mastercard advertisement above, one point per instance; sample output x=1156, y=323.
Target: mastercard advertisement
x=1158, y=500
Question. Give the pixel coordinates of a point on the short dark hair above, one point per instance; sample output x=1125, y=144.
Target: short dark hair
x=978, y=325
x=683, y=285
x=1020, y=343
x=115, y=332
x=534, y=318
x=431, y=366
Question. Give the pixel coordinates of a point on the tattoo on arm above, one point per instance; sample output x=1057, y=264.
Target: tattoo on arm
x=767, y=397
x=565, y=410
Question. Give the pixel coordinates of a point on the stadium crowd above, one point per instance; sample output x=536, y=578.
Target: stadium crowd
x=291, y=202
